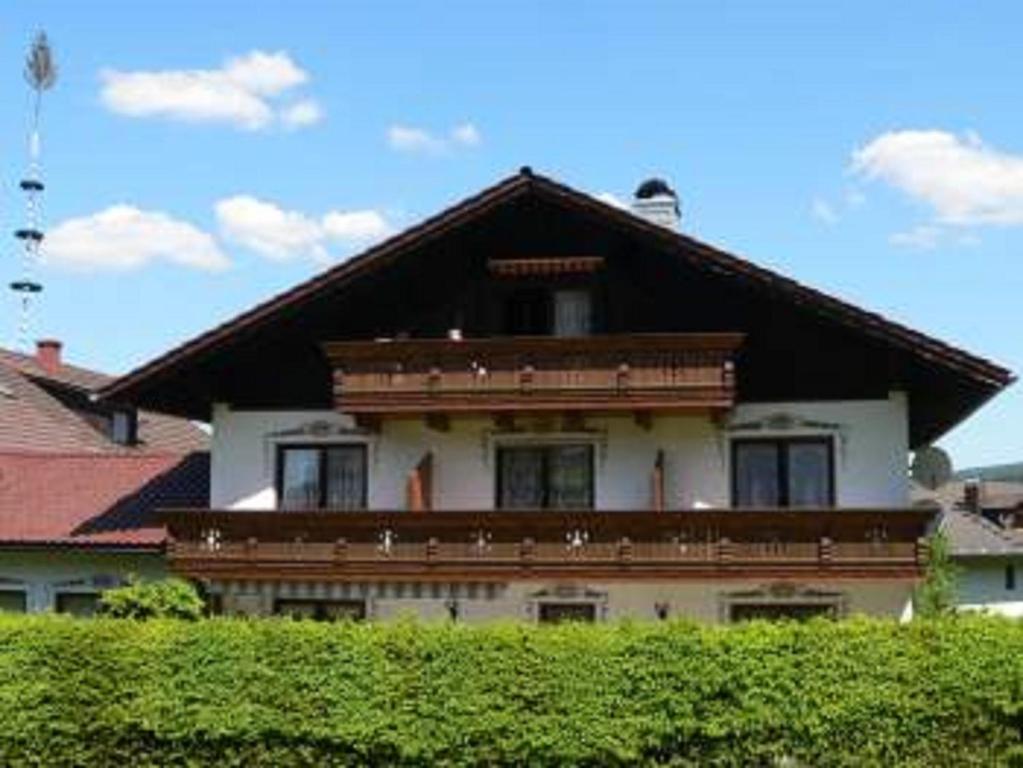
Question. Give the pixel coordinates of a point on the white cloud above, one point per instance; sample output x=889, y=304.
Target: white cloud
x=278, y=234
x=406, y=138
x=269, y=230
x=241, y=93
x=924, y=237
x=466, y=135
x=123, y=237
x=355, y=225
x=301, y=114
x=822, y=211
x=963, y=180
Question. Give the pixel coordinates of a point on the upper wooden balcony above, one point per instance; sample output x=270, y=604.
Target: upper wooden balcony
x=514, y=544
x=650, y=372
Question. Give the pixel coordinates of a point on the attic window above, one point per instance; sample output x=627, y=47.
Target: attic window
x=124, y=427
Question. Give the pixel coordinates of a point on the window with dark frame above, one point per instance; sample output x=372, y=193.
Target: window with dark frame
x=540, y=311
x=783, y=472
x=321, y=610
x=558, y=476
x=330, y=476
x=558, y=613
x=1010, y=577
x=781, y=611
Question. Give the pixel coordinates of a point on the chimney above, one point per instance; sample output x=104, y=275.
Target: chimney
x=657, y=202
x=972, y=492
x=48, y=355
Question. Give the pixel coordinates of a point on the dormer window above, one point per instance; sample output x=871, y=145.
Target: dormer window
x=124, y=427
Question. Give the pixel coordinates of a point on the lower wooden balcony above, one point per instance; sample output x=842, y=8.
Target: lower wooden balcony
x=515, y=545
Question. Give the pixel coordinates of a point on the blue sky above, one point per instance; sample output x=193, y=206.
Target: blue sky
x=873, y=150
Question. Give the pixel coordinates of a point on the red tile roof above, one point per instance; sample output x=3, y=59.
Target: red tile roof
x=35, y=414
x=85, y=499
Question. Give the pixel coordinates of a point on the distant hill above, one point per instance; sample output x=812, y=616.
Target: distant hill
x=1004, y=472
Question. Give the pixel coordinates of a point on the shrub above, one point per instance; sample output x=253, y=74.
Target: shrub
x=273, y=693
x=168, y=599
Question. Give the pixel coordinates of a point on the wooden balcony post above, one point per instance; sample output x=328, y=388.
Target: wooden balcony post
x=341, y=551
x=251, y=546
x=825, y=550
x=625, y=550
x=923, y=552
x=527, y=551
x=432, y=547
x=725, y=550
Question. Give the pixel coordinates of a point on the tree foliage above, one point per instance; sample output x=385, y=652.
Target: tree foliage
x=166, y=599
x=936, y=595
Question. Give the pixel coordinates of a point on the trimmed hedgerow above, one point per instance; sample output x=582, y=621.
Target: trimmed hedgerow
x=284, y=693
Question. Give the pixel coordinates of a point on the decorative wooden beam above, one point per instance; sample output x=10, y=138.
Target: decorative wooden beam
x=544, y=267
x=657, y=483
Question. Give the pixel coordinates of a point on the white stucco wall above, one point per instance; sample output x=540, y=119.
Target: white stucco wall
x=42, y=575
x=871, y=447
x=981, y=586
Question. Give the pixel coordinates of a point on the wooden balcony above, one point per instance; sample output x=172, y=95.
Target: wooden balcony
x=502, y=545
x=654, y=372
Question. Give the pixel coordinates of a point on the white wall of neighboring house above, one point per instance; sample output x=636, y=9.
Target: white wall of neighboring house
x=871, y=447
x=41, y=576
x=981, y=586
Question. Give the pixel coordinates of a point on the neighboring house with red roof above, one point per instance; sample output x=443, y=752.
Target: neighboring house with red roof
x=80, y=482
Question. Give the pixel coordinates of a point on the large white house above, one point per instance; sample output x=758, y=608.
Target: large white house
x=537, y=405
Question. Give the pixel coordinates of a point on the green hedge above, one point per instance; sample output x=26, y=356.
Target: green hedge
x=281, y=693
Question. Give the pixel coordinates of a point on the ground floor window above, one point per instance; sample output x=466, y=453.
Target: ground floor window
x=13, y=601
x=78, y=603
x=322, y=610
x=780, y=611
x=556, y=613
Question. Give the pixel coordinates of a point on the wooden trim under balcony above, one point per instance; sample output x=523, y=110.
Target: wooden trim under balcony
x=645, y=372
x=544, y=544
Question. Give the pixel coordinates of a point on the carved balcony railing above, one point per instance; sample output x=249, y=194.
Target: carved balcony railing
x=545, y=544
x=594, y=373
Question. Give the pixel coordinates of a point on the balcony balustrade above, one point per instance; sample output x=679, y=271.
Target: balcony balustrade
x=670, y=372
x=544, y=544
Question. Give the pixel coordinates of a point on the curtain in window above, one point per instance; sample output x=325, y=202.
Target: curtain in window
x=300, y=478
x=570, y=472
x=346, y=477
x=809, y=474
x=571, y=313
x=756, y=475
x=521, y=478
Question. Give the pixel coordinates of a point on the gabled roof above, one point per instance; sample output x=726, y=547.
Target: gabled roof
x=972, y=535
x=35, y=414
x=89, y=500
x=983, y=375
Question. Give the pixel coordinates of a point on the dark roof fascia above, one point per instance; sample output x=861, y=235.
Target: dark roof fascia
x=695, y=252
x=14, y=545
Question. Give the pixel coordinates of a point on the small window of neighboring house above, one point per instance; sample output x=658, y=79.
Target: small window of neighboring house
x=124, y=427
x=545, y=477
x=1010, y=577
x=322, y=610
x=791, y=472
x=13, y=601
x=557, y=613
x=78, y=603
x=322, y=477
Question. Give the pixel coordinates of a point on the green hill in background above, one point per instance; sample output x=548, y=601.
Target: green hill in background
x=1003, y=472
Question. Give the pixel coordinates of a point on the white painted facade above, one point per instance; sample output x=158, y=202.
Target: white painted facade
x=982, y=585
x=36, y=579
x=871, y=439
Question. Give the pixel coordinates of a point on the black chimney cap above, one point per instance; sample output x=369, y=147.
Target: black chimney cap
x=654, y=188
